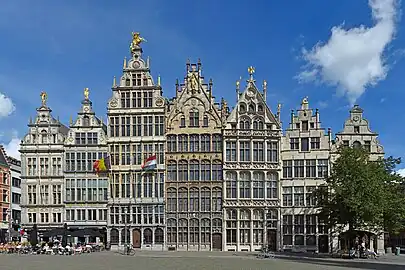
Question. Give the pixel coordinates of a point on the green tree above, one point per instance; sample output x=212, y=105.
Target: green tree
x=362, y=194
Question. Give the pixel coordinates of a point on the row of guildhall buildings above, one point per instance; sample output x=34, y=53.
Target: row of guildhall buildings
x=226, y=179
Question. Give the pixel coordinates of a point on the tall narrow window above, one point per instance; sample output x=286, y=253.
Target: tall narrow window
x=194, y=119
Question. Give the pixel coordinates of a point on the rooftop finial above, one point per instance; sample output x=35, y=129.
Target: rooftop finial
x=125, y=62
x=86, y=93
x=44, y=98
x=251, y=71
x=114, y=82
x=158, y=81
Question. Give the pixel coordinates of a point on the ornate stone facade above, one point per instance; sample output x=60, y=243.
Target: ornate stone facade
x=136, y=116
x=194, y=165
x=251, y=145
x=42, y=153
x=357, y=133
x=85, y=193
x=5, y=215
x=305, y=156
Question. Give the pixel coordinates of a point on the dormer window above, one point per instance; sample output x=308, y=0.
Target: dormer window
x=357, y=129
x=86, y=121
x=205, y=121
x=182, y=122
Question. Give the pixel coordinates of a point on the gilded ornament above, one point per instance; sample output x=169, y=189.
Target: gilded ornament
x=44, y=98
x=86, y=93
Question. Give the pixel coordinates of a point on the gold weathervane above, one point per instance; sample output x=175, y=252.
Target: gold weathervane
x=86, y=93
x=44, y=97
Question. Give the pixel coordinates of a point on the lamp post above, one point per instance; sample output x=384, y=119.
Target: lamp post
x=10, y=221
x=125, y=230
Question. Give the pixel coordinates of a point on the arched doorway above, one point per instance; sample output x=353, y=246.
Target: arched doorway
x=136, y=238
x=217, y=241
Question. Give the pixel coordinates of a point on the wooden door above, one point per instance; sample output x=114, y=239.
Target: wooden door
x=323, y=244
x=136, y=238
x=272, y=239
x=217, y=241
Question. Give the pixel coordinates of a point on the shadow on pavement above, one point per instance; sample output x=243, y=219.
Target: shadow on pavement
x=343, y=263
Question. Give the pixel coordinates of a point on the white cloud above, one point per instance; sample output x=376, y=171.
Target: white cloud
x=353, y=59
x=7, y=106
x=13, y=146
x=401, y=172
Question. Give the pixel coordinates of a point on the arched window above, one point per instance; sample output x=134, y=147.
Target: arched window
x=231, y=226
x=86, y=121
x=194, y=231
x=205, y=121
x=148, y=236
x=356, y=144
x=205, y=170
x=172, y=170
x=258, y=185
x=114, y=237
x=244, y=224
x=205, y=143
x=205, y=199
x=194, y=203
x=244, y=185
x=183, y=170
x=216, y=199
x=194, y=119
x=242, y=108
x=183, y=231
x=260, y=108
x=205, y=231
x=252, y=108
x=159, y=236
x=183, y=200
x=258, y=124
x=244, y=124
x=231, y=183
x=171, y=231
x=171, y=200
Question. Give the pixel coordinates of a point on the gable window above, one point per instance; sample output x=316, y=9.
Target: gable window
x=182, y=122
x=315, y=143
x=244, y=124
x=86, y=121
x=205, y=121
x=260, y=108
x=304, y=144
x=357, y=129
x=194, y=119
x=304, y=125
x=251, y=108
x=294, y=143
x=242, y=108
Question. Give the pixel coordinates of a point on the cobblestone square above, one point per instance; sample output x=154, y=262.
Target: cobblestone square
x=187, y=261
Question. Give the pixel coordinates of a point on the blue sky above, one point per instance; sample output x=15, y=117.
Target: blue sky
x=63, y=46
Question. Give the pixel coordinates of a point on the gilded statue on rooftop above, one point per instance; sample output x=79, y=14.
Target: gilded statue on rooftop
x=44, y=97
x=86, y=93
x=136, y=41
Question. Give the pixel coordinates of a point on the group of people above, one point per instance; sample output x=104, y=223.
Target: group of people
x=48, y=248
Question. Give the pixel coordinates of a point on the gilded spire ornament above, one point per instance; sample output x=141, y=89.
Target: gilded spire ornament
x=136, y=41
x=44, y=98
x=86, y=93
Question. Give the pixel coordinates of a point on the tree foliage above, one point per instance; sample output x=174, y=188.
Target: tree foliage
x=362, y=194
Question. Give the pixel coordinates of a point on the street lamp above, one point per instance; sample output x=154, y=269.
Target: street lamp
x=10, y=220
x=125, y=230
